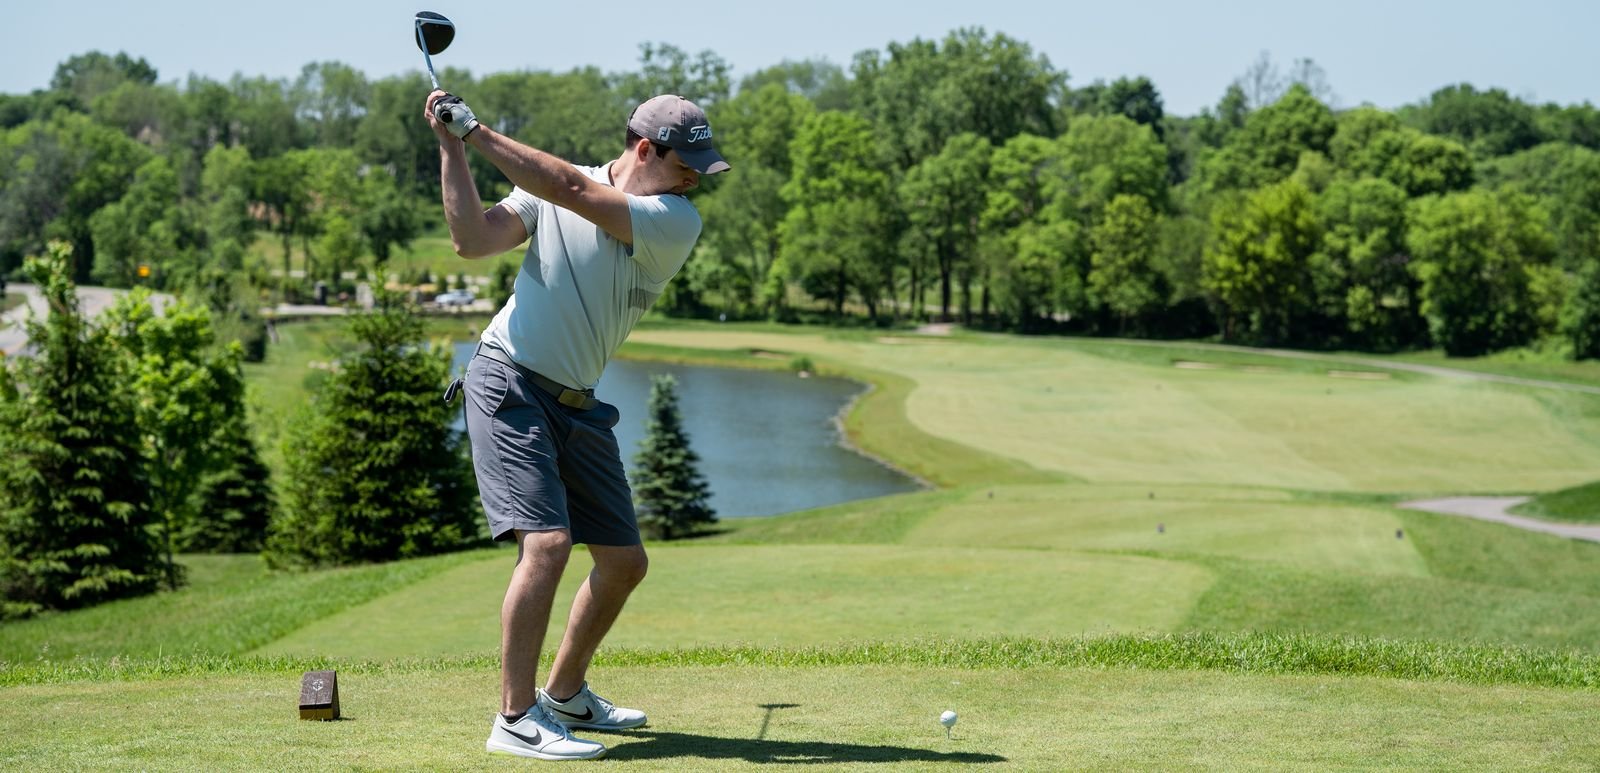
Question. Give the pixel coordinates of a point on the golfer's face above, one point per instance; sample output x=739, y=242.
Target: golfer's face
x=675, y=176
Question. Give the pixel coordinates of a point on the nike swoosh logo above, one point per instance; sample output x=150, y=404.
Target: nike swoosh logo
x=534, y=741
x=588, y=714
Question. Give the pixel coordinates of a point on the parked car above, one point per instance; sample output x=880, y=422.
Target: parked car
x=455, y=298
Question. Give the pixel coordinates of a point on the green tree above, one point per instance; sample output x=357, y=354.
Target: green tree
x=144, y=227
x=822, y=83
x=1121, y=275
x=920, y=94
x=375, y=472
x=1361, y=276
x=670, y=495
x=944, y=198
x=332, y=98
x=1256, y=265
x=1580, y=320
x=187, y=388
x=1277, y=134
x=75, y=511
x=1491, y=123
x=704, y=78
x=58, y=174
x=86, y=76
x=1104, y=156
x=742, y=212
x=834, y=234
x=1473, y=251
x=1035, y=252
x=234, y=502
x=1566, y=179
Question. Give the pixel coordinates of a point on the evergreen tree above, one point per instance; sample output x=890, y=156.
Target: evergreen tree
x=671, y=497
x=76, y=521
x=234, y=502
x=375, y=472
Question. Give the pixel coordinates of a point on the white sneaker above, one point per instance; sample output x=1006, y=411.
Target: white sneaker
x=538, y=735
x=587, y=710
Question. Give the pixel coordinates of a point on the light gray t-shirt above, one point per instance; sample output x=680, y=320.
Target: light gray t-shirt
x=580, y=291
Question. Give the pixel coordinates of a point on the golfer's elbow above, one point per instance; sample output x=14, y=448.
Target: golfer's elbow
x=472, y=243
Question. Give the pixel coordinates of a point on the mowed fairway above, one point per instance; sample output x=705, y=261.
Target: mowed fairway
x=1105, y=413
x=700, y=595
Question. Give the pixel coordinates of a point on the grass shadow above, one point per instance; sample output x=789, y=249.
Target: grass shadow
x=658, y=745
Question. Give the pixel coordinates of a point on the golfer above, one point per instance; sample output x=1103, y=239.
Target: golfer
x=605, y=242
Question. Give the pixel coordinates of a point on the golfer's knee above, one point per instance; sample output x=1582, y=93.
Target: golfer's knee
x=543, y=549
x=627, y=568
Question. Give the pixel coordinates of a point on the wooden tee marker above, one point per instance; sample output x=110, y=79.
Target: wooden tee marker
x=319, y=695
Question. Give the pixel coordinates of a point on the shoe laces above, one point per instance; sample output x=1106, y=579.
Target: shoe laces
x=604, y=704
x=548, y=722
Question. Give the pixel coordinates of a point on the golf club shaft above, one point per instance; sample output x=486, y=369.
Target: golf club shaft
x=426, y=58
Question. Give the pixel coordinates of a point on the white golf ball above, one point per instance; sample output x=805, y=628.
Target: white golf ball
x=948, y=718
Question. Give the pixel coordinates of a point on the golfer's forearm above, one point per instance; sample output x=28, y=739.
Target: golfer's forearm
x=530, y=169
x=463, y=208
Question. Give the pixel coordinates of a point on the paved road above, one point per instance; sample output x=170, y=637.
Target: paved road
x=93, y=300
x=1496, y=509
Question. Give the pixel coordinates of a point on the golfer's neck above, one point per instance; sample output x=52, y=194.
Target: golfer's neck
x=623, y=174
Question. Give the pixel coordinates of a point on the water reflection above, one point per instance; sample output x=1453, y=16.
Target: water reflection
x=767, y=441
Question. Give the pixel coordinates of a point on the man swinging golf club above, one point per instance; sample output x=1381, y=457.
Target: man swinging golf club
x=605, y=242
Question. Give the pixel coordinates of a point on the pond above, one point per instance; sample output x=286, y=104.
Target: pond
x=768, y=442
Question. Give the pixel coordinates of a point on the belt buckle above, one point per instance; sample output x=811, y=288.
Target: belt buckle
x=572, y=398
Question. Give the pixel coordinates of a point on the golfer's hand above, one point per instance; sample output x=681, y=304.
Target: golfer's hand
x=448, y=115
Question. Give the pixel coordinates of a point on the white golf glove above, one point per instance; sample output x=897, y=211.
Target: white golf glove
x=455, y=115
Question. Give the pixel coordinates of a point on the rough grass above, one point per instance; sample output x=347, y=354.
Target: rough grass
x=1579, y=504
x=232, y=604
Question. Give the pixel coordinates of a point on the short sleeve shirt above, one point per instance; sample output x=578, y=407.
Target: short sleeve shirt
x=580, y=291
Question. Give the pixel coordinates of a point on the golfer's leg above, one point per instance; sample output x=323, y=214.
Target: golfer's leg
x=617, y=571
x=525, y=613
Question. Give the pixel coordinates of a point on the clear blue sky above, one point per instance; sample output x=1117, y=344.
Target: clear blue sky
x=1386, y=53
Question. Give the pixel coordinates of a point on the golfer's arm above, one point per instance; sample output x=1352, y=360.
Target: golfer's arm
x=557, y=182
x=474, y=233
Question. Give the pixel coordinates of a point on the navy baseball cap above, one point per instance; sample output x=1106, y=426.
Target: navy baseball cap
x=681, y=125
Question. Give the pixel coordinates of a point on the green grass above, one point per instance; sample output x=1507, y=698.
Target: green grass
x=1579, y=504
x=1282, y=590
x=858, y=593
x=834, y=717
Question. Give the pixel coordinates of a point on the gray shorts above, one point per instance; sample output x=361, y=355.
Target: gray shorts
x=542, y=465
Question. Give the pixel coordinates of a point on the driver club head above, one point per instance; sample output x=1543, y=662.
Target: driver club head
x=434, y=32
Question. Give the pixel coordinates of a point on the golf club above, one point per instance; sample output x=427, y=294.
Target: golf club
x=434, y=33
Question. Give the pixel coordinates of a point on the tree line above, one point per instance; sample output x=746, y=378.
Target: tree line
x=959, y=179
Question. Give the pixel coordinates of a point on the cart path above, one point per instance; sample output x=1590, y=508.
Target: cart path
x=1495, y=509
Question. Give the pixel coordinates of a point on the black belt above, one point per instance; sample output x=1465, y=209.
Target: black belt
x=582, y=400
